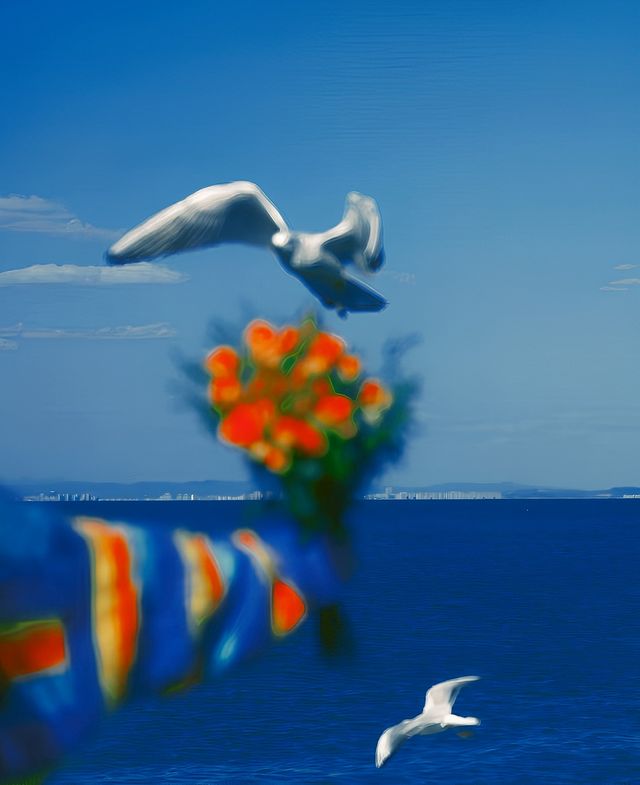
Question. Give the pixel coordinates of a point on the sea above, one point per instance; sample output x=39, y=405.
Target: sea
x=540, y=599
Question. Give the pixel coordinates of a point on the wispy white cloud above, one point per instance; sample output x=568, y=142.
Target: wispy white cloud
x=157, y=330
x=13, y=329
x=43, y=216
x=626, y=282
x=79, y=275
x=7, y=346
x=626, y=266
x=145, y=331
x=614, y=289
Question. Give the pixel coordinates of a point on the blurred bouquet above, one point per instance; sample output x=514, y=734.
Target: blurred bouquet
x=299, y=405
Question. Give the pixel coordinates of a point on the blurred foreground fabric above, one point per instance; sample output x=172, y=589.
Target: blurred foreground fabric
x=93, y=612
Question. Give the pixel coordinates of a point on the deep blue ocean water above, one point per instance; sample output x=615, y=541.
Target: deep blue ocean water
x=541, y=599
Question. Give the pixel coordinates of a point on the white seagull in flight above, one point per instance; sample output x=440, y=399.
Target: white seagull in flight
x=436, y=716
x=239, y=212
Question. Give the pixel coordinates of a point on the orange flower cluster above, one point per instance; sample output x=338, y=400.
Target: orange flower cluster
x=278, y=399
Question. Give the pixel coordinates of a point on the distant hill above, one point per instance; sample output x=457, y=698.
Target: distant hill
x=511, y=490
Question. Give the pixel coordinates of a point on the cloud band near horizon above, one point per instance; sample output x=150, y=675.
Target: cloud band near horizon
x=92, y=275
x=157, y=330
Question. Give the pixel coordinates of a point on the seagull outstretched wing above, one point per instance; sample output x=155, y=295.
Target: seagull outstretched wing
x=390, y=740
x=441, y=697
x=358, y=236
x=236, y=212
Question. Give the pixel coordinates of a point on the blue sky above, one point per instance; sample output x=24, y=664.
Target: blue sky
x=499, y=139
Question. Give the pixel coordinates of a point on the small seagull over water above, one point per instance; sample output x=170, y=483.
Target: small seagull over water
x=436, y=717
x=239, y=212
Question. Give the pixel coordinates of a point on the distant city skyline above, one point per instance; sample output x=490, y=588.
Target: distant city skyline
x=79, y=491
x=499, y=140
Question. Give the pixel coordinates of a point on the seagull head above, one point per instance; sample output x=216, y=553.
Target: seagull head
x=284, y=244
x=282, y=240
